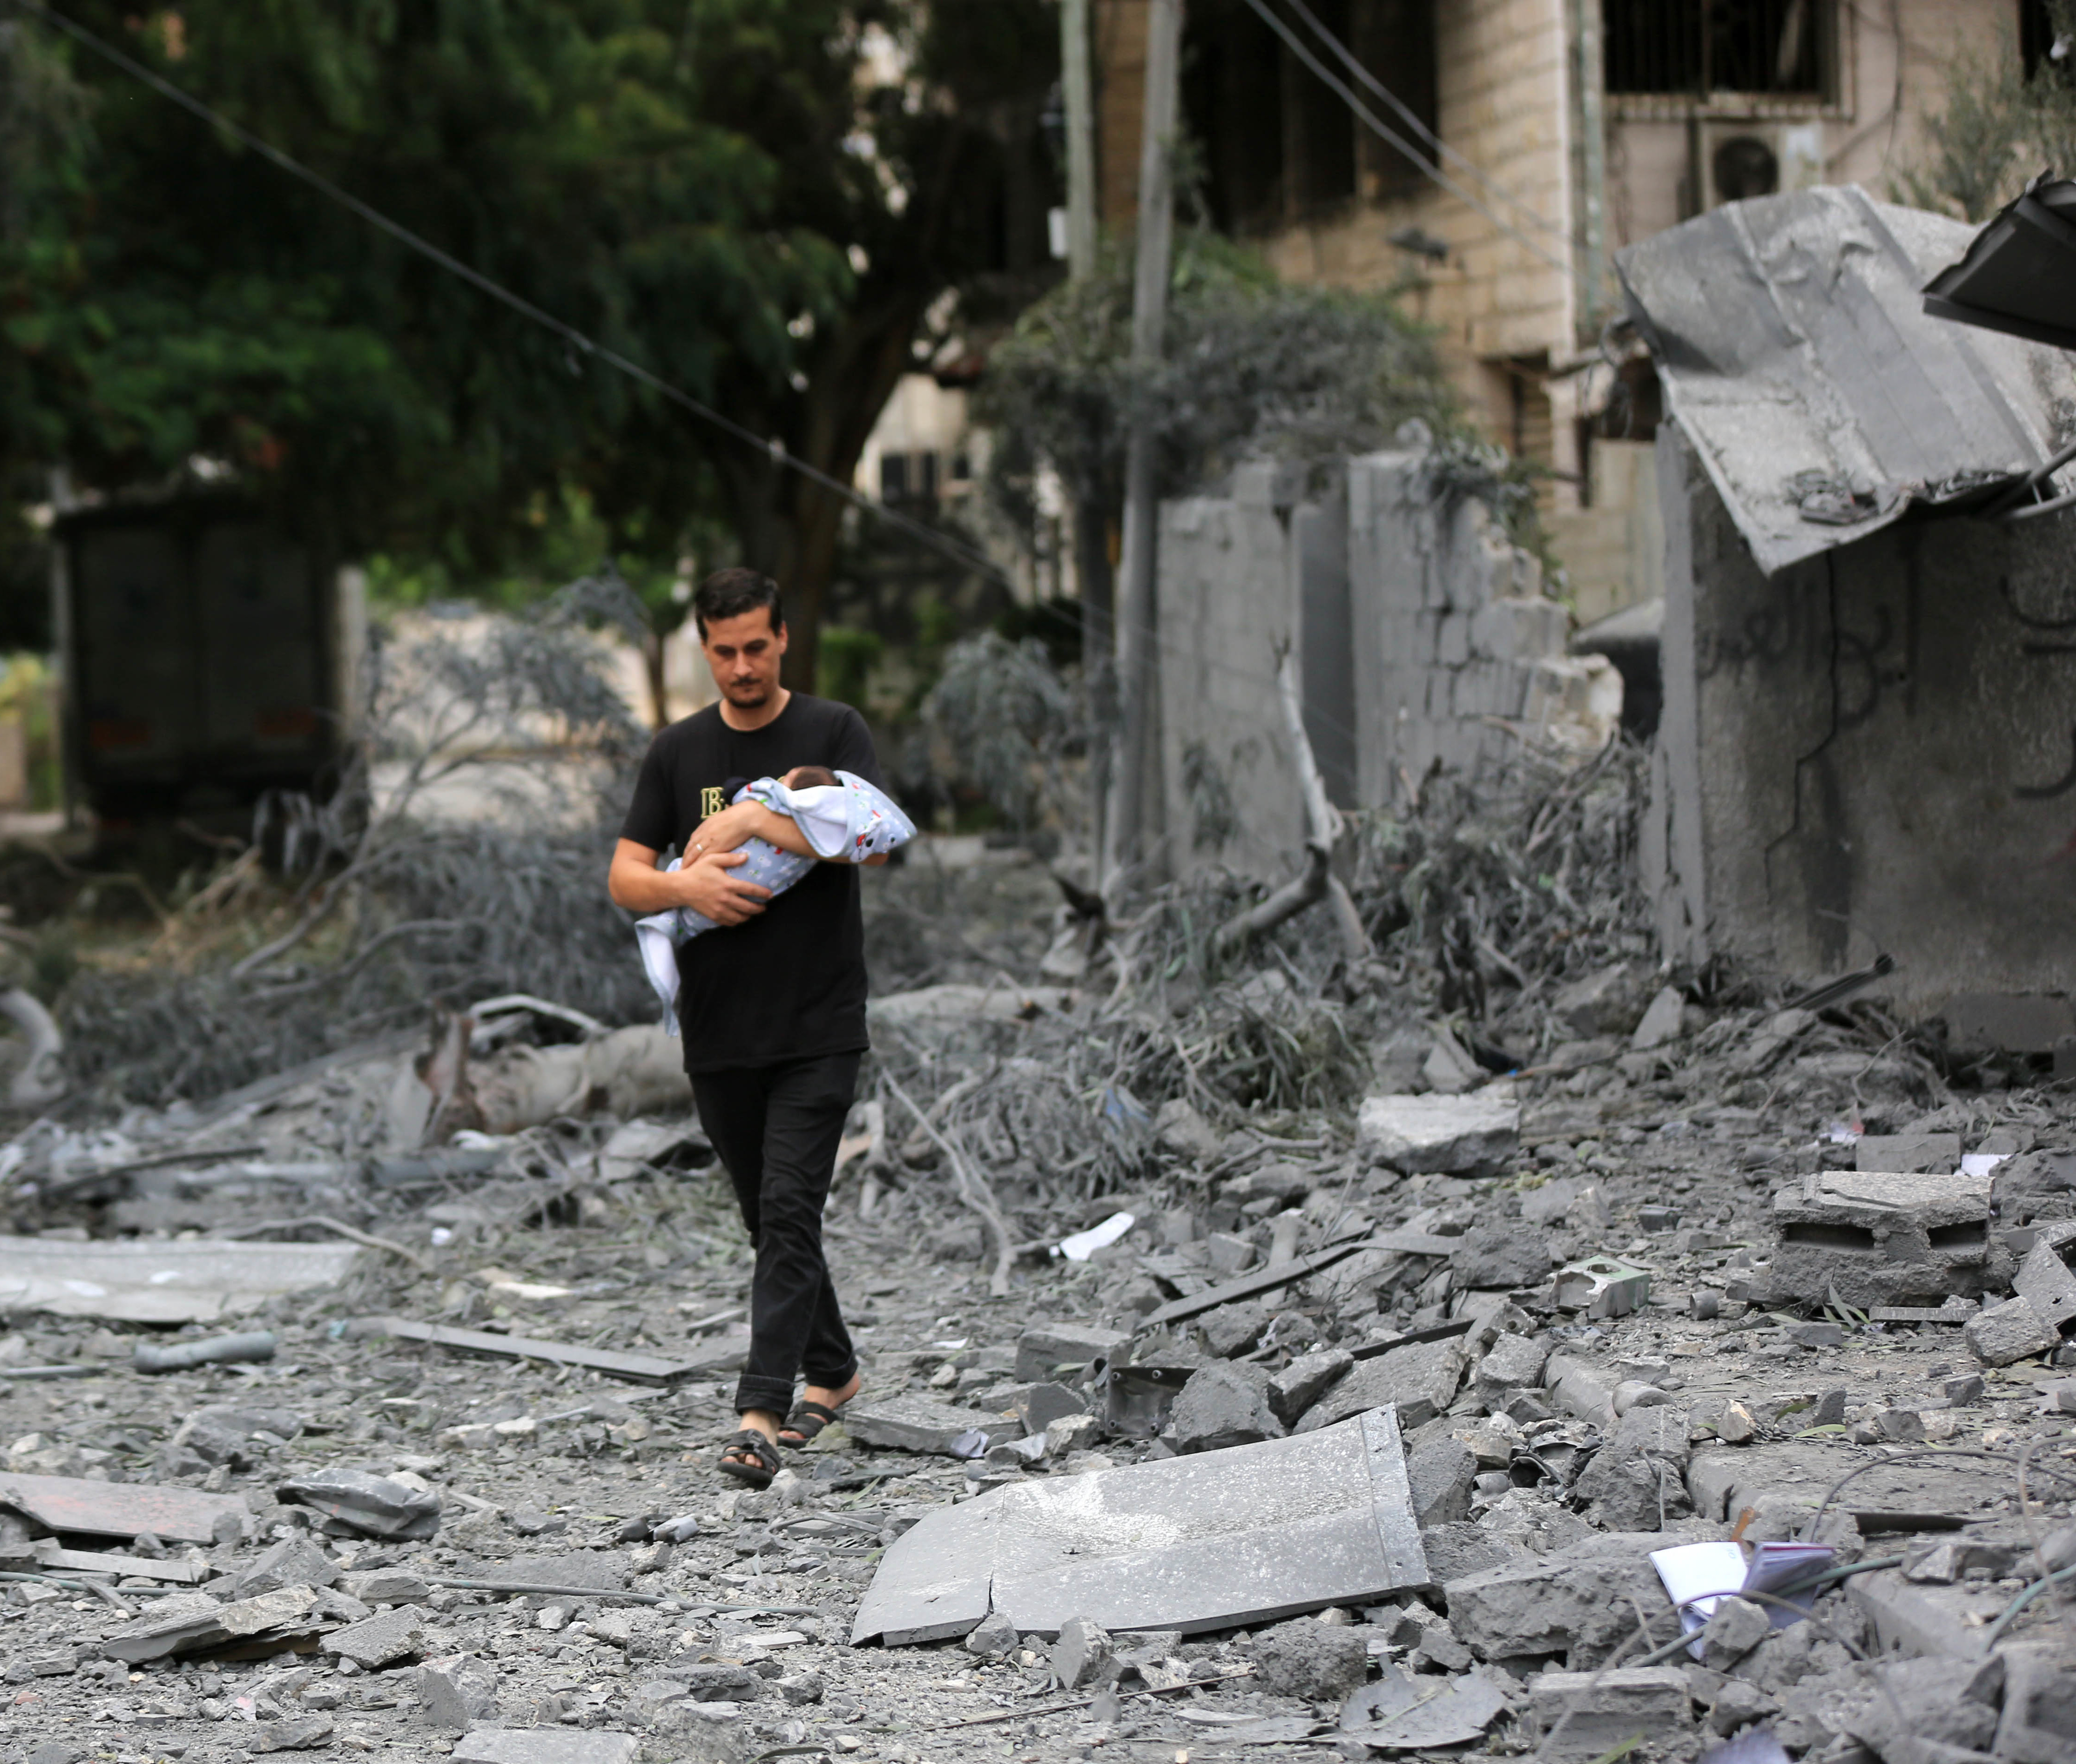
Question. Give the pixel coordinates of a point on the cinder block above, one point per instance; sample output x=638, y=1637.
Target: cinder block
x=1882, y=1238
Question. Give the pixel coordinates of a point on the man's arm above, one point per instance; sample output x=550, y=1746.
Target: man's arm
x=727, y=831
x=704, y=885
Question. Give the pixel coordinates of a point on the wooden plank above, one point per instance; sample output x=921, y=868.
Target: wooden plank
x=1266, y=1279
x=637, y=1368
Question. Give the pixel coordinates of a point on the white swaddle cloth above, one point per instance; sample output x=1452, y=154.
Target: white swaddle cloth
x=849, y=819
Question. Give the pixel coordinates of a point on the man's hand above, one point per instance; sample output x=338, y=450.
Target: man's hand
x=709, y=888
x=705, y=884
x=727, y=831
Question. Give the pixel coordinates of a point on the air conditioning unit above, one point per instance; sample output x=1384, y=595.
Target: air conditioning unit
x=1740, y=160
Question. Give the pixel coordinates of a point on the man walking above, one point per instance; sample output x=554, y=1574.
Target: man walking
x=771, y=1002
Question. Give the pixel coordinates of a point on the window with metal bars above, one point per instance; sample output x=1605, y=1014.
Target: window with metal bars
x=1773, y=48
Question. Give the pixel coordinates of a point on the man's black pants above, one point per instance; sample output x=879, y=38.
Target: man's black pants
x=776, y=1129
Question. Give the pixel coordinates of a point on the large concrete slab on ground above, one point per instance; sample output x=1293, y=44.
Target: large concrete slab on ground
x=136, y=1282
x=1199, y=1543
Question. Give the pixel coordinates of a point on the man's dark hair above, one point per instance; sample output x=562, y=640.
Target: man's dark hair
x=729, y=594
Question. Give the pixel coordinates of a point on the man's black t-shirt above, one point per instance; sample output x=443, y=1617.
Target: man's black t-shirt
x=788, y=984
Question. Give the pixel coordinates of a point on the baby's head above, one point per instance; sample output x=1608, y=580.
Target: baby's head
x=808, y=777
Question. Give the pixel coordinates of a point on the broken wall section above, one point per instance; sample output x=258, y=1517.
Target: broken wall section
x=1422, y=638
x=1868, y=751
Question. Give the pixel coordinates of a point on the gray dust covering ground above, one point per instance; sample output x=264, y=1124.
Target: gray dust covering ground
x=1706, y=1377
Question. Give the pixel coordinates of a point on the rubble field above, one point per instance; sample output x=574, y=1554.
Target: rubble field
x=1348, y=1423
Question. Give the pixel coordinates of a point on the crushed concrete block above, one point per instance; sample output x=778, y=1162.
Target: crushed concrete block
x=1960, y=1392
x=545, y=1746
x=1607, y=1001
x=1181, y=1132
x=1925, y=1705
x=1083, y=1654
x=1305, y=1381
x=1738, y=1705
x=1454, y=1135
x=1042, y=1405
x=1072, y=1433
x=1909, y=1154
x=385, y=1586
x=1575, y=1603
x=1515, y=1362
x=1220, y=1407
x=1660, y=1023
x=1734, y=1628
x=1441, y=1473
x=1319, y=1661
x=1288, y=1183
x=1460, y=1548
x=917, y=1424
x=1493, y=1258
x=1637, y=1479
x=186, y=1623
x=1581, y=1715
x=1228, y=1254
x=2045, y=1281
x=389, y=1635
x=801, y=1688
x=995, y=1637
x=1042, y=1351
x=1881, y=1239
x=294, y=1562
x=298, y=1733
x=1581, y=1387
x=2039, y=1720
x=1419, y=1379
x=2011, y=1331
x=455, y=1691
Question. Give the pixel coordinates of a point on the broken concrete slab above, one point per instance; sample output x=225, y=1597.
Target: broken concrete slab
x=545, y=1746
x=1515, y=1362
x=294, y=1562
x=1499, y=1257
x=1582, y=1714
x=147, y=1281
x=2045, y=1281
x=365, y=1505
x=2010, y=1332
x=1599, y=1286
x=1320, y=1662
x=1451, y=1134
x=296, y=1733
x=1660, y=1023
x=1220, y=1407
x=1575, y=1605
x=1205, y=1541
x=1416, y=1381
x=917, y=1424
x=636, y=1368
x=1305, y=1381
x=189, y=1622
x=1401, y=1713
x=1083, y=1655
x=73, y=1503
x=1051, y=1349
x=379, y=1641
x=1881, y=1239
x=2038, y=1722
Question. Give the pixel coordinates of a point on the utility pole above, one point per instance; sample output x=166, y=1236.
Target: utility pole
x=1137, y=813
x=1077, y=88
x=1091, y=534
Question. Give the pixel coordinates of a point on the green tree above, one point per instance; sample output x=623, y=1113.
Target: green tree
x=757, y=199
x=1999, y=126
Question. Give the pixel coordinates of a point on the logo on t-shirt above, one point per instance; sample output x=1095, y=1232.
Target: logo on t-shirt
x=710, y=802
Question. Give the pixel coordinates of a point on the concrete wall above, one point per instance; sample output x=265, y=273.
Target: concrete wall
x=1874, y=751
x=1423, y=637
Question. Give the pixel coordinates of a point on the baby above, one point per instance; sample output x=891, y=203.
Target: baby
x=842, y=814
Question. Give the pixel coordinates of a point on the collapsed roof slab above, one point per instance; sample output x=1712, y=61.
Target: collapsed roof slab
x=1199, y=1543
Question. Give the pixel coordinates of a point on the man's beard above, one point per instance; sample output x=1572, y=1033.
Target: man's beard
x=749, y=692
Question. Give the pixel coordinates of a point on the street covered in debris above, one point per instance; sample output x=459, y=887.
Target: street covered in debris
x=1059, y=882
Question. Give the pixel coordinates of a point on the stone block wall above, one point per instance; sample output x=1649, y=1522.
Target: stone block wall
x=1423, y=640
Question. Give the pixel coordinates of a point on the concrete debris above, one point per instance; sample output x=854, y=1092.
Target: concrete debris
x=2014, y=1331
x=1190, y=1543
x=389, y=1635
x=917, y=1424
x=545, y=1746
x=1600, y=1287
x=1220, y=1407
x=220, y=1350
x=1418, y=1382
x=1319, y=1661
x=189, y=1623
x=1581, y=1715
x=357, y=1504
x=1402, y=1712
x=1455, y=1135
x=1082, y=1655
x=138, y=1282
x=1882, y=1238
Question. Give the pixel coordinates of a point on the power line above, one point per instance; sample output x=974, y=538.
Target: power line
x=1370, y=120
x=1411, y=117
x=928, y=536
x=570, y=334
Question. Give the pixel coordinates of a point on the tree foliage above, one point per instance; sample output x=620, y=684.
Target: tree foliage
x=1252, y=367
x=757, y=200
x=1998, y=127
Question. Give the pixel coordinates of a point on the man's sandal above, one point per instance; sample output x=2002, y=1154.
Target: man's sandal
x=807, y=1420
x=750, y=1457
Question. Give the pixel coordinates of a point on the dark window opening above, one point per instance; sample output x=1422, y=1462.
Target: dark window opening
x=893, y=476
x=1775, y=48
x=2035, y=35
x=1270, y=142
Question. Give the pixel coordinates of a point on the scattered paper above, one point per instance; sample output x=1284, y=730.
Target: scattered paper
x=1696, y=1575
x=1083, y=1244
